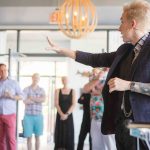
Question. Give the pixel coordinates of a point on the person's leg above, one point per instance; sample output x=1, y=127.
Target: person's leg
x=90, y=141
x=109, y=142
x=29, y=143
x=82, y=136
x=38, y=130
x=122, y=136
x=27, y=126
x=37, y=142
x=2, y=134
x=105, y=142
x=10, y=121
x=97, y=140
x=28, y=129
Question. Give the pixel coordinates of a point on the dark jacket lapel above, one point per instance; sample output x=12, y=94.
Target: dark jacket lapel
x=121, y=52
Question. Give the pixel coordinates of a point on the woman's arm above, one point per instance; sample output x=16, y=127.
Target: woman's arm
x=70, y=110
x=62, y=115
x=90, y=85
x=57, y=103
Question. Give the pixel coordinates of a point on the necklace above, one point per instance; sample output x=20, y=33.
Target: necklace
x=127, y=114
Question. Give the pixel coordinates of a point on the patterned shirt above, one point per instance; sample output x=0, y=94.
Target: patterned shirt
x=7, y=105
x=139, y=45
x=97, y=104
x=35, y=108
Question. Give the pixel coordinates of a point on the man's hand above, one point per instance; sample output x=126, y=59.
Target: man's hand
x=29, y=101
x=117, y=84
x=53, y=47
x=63, y=51
x=8, y=94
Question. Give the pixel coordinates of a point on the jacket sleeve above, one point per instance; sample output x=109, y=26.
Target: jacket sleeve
x=84, y=98
x=95, y=60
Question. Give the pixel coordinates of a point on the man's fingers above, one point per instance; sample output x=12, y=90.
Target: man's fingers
x=111, y=84
x=111, y=90
x=111, y=81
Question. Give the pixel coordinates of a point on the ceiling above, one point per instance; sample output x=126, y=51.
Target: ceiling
x=53, y=3
x=36, y=12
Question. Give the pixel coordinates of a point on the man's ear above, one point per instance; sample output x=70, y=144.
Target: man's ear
x=134, y=24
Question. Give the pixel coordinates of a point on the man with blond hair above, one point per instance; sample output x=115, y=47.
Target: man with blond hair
x=33, y=119
x=126, y=92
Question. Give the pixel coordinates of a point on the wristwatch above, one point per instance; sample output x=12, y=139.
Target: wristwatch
x=132, y=86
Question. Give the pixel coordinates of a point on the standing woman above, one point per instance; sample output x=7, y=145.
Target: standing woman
x=65, y=104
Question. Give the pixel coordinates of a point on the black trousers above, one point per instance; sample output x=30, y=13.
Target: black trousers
x=123, y=139
x=85, y=129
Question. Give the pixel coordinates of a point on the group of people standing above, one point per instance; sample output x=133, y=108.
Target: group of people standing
x=92, y=101
x=33, y=96
x=126, y=92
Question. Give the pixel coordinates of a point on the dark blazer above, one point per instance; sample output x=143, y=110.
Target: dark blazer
x=85, y=101
x=140, y=72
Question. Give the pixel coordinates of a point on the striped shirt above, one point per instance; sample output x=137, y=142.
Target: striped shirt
x=35, y=108
x=139, y=45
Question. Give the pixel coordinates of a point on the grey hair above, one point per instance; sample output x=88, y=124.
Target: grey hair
x=140, y=11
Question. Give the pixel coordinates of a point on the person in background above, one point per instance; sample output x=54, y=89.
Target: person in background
x=34, y=96
x=10, y=93
x=95, y=86
x=126, y=91
x=86, y=121
x=64, y=129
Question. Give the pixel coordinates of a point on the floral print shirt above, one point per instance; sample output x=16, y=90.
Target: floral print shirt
x=97, y=104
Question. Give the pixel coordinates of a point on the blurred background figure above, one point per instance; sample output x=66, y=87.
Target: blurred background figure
x=10, y=93
x=95, y=86
x=33, y=119
x=86, y=121
x=64, y=130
